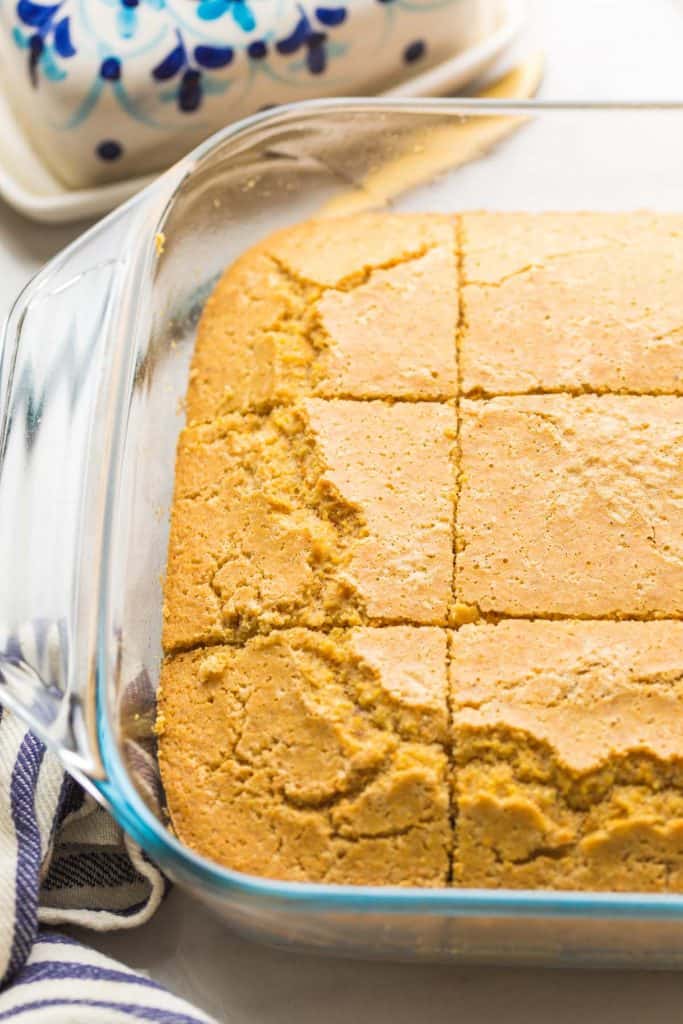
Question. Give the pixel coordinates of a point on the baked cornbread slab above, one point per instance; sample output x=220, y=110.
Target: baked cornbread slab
x=310, y=516
x=315, y=757
x=283, y=320
x=568, y=741
x=363, y=470
x=572, y=302
x=571, y=506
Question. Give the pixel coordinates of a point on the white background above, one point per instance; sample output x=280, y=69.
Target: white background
x=608, y=49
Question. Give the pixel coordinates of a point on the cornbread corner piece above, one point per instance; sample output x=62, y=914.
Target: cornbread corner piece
x=311, y=516
x=571, y=506
x=568, y=741
x=571, y=301
x=311, y=756
x=364, y=307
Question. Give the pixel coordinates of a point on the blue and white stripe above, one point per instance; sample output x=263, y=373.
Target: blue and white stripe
x=63, y=981
x=63, y=860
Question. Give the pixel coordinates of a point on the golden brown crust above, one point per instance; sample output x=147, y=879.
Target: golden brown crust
x=572, y=301
x=392, y=336
x=587, y=523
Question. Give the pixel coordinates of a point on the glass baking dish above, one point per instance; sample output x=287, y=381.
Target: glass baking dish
x=93, y=372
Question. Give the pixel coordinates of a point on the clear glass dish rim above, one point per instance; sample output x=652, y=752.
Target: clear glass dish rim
x=116, y=788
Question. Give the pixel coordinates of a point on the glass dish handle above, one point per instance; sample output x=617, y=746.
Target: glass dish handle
x=54, y=366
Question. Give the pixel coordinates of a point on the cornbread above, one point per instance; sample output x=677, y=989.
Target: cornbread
x=572, y=302
x=423, y=617
x=324, y=753
x=309, y=516
x=568, y=741
x=282, y=322
x=589, y=524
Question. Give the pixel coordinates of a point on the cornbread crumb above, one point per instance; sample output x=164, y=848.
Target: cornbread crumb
x=307, y=755
x=463, y=613
x=568, y=740
x=309, y=516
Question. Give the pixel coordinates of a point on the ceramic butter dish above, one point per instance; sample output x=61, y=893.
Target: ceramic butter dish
x=111, y=89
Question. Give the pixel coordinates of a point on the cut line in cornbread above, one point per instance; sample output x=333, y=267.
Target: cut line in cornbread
x=573, y=302
x=571, y=506
x=362, y=307
x=310, y=516
x=315, y=755
x=568, y=745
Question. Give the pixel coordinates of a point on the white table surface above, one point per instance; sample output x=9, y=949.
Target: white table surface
x=596, y=48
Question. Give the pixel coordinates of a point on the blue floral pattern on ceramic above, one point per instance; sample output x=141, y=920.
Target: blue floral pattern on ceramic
x=307, y=36
x=45, y=33
x=127, y=14
x=113, y=69
x=241, y=12
x=192, y=82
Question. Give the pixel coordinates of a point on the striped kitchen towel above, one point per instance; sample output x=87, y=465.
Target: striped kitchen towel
x=63, y=860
